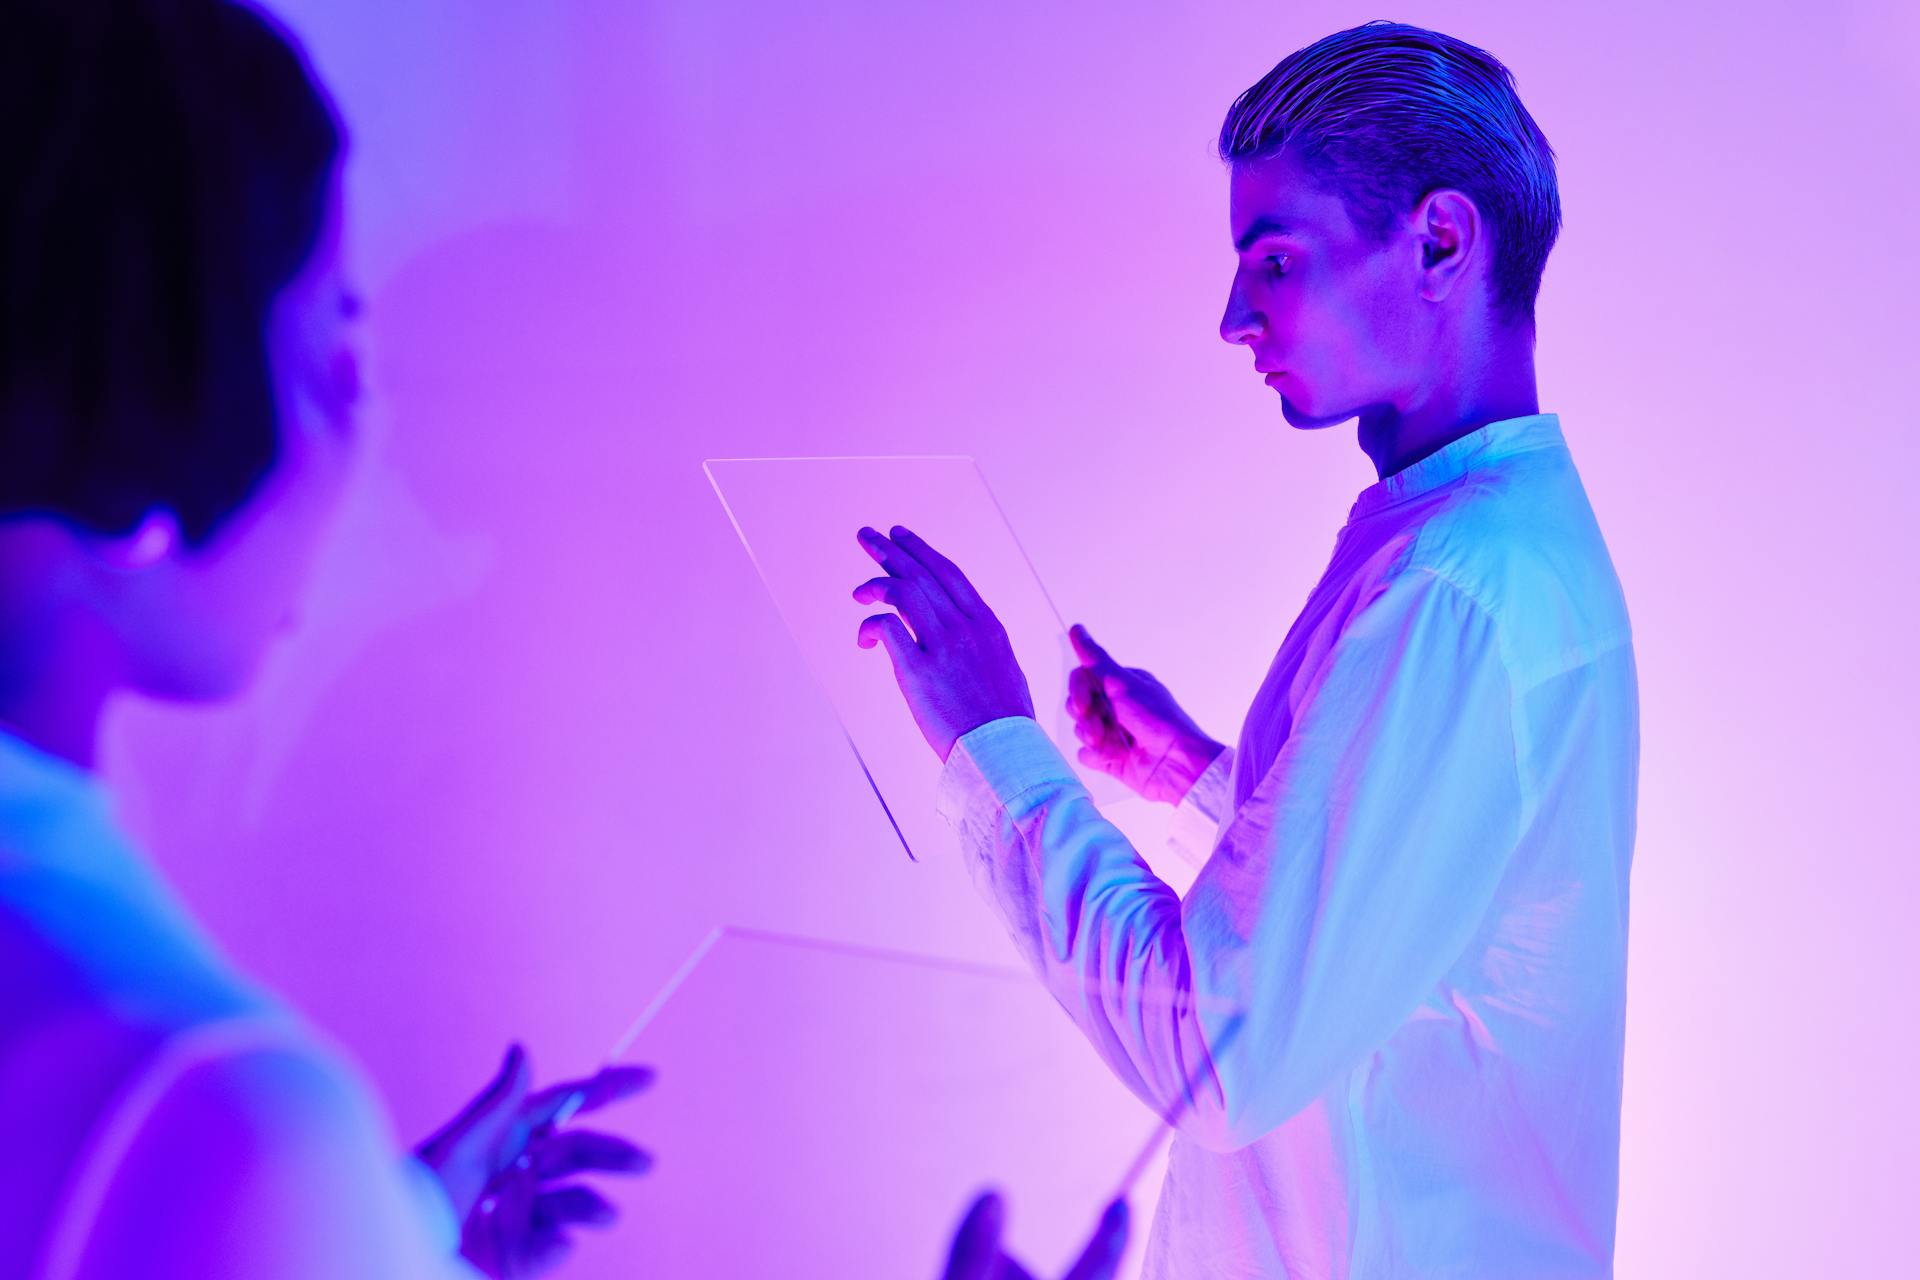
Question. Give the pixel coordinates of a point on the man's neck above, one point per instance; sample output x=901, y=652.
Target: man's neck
x=1498, y=386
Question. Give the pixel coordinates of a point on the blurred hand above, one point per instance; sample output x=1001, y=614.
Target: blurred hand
x=977, y=1255
x=499, y=1155
x=1130, y=726
x=956, y=666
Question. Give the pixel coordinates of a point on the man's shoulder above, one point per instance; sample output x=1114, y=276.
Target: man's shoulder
x=1522, y=542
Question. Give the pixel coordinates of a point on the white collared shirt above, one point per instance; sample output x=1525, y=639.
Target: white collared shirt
x=164, y=1116
x=1416, y=900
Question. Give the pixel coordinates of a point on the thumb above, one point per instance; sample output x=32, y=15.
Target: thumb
x=1086, y=649
x=479, y=1141
x=490, y=1116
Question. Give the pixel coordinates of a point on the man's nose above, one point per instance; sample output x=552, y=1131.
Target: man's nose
x=1240, y=323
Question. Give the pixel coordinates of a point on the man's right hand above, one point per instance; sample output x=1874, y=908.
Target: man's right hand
x=1130, y=726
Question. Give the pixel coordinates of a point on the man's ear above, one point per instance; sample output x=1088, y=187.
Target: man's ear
x=154, y=539
x=1450, y=232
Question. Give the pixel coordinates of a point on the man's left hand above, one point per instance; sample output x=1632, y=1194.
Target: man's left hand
x=955, y=666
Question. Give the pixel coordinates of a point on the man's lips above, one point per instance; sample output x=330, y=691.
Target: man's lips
x=1271, y=374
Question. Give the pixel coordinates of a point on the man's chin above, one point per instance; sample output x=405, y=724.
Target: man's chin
x=1300, y=420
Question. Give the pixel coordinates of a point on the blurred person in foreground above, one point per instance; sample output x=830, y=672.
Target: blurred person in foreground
x=1415, y=862
x=177, y=390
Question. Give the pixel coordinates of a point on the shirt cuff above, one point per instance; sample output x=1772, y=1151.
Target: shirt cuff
x=1195, y=827
x=994, y=765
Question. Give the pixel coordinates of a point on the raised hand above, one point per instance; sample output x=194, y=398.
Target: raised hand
x=955, y=666
x=976, y=1253
x=1130, y=726
x=500, y=1156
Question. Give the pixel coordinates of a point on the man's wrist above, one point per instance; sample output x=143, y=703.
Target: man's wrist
x=1194, y=759
x=1008, y=755
x=992, y=719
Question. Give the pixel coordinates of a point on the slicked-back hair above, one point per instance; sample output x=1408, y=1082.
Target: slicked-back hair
x=1384, y=113
x=165, y=166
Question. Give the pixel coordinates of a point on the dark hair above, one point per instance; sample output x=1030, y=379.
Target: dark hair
x=1385, y=113
x=166, y=165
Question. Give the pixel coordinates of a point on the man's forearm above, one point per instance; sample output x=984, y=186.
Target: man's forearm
x=1099, y=928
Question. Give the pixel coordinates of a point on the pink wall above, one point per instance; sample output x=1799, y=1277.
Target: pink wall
x=542, y=728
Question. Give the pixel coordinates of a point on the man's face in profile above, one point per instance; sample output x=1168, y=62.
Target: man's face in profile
x=1327, y=314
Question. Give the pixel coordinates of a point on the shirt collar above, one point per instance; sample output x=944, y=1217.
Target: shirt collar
x=1475, y=451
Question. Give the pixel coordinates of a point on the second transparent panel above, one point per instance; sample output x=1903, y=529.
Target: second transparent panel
x=829, y=1110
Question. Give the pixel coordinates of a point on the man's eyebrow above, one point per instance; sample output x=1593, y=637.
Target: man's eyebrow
x=1261, y=228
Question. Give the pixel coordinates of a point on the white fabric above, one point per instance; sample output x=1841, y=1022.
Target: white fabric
x=1417, y=900
x=164, y=1116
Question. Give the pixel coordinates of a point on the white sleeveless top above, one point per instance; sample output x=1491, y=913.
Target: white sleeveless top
x=111, y=996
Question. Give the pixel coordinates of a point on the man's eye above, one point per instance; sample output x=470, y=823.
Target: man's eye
x=1277, y=263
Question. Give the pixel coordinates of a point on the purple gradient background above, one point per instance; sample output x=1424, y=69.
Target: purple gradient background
x=542, y=727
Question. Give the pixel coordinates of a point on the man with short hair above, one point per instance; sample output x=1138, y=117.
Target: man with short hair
x=1388, y=1017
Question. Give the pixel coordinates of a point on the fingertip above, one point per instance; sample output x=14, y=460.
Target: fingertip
x=975, y=1253
x=625, y=1079
x=990, y=1210
x=513, y=1068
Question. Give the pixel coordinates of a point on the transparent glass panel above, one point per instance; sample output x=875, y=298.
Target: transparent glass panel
x=827, y=1109
x=797, y=518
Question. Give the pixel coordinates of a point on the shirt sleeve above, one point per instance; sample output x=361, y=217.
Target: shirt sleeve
x=1336, y=899
x=1196, y=819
